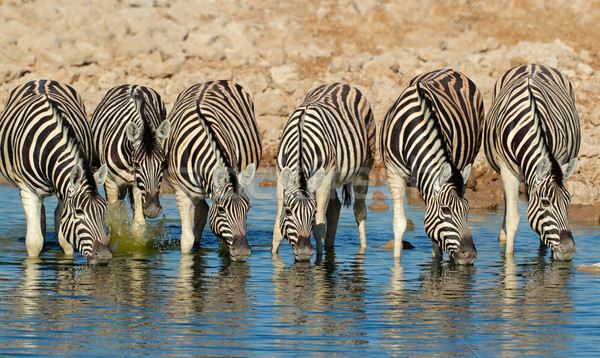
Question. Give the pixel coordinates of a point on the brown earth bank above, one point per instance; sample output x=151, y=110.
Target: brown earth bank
x=279, y=50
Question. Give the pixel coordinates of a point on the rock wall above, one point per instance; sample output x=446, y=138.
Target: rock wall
x=279, y=50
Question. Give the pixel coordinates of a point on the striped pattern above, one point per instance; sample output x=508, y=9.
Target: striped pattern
x=431, y=134
x=532, y=135
x=213, y=151
x=129, y=126
x=45, y=149
x=329, y=141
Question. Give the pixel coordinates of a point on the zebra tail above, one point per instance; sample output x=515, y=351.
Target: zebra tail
x=347, y=194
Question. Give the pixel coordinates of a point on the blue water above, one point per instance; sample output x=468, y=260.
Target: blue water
x=343, y=304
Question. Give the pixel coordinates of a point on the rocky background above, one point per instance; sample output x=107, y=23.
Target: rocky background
x=279, y=50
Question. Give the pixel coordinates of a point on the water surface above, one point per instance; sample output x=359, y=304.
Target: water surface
x=346, y=303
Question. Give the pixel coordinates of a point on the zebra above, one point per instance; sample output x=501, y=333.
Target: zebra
x=129, y=126
x=213, y=151
x=328, y=142
x=46, y=149
x=430, y=138
x=532, y=135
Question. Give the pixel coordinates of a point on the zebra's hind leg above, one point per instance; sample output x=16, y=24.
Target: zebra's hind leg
x=186, y=212
x=332, y=216
x=34, y=239
x=397, y=186
x=200, y=215
x=277, y=235
x=361, y=186
x=510, y=223
x=64, y=244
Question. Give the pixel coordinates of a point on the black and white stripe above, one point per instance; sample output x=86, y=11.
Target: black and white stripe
x=46, y=148
x=129, y=126
x=328, y=142
x=213, y=151
x=431, y=134
x=532, y=135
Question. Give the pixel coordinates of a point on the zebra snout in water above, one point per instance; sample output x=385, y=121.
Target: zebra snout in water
x=152, y=207
x=101, y=254
x=565, y=250
x=303, y=250
x=467, y=253
x=240, y=249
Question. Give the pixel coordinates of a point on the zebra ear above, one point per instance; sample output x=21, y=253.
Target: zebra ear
x=288, y=178
x=220, y=176
x=445, y=174
x=163, y=130
x=543, y=169
x=316, y=180
x=569, y=168
x=100, y=175
x=466, y=172
x=245, y=177
x=134, y=134
x=75, y=179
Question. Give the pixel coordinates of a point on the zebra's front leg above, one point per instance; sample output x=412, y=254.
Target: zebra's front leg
x=511, y=209
x=139, y=221
x=397, y=186
x=361, y=185
x=200, y=215
x=332, y=216
x=322, y=197
x=186, y=212
x=34, y=239
x=64, y=244
x=111, y=190
x=277, y=235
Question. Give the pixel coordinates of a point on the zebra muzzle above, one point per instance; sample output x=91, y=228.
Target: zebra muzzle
x=304, y=249
x=565, y=250
x=467, y=253
x=152, y=207
x=239, y=250
x=101, y=254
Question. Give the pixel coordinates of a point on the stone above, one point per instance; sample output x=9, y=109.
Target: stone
x=265, y=183
x=379, y=206
x=271, y=102
x=390, y=245
x=285, y=77
x=379, y=196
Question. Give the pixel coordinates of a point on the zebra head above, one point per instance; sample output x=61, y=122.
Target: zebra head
x=446, y=217
x=299, y=208
x=148, y=160
x=548, y=205
x=229, y=209
x=82, y=221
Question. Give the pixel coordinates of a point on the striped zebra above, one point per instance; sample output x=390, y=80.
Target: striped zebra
x=328, y=142
x=430, y=138
x=213, y=151
x=129, y=126
x=46, y=149
x=532, y=135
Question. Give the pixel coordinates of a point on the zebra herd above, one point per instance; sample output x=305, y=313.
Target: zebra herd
x=208, y=147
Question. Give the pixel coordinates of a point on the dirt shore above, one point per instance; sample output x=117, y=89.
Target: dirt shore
x=280, y=50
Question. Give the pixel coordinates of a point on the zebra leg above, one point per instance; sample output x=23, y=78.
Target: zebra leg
x=138, y=215
x=64, y=244
x=34, y=239
x=112, y=191
x=43, y=219
x=277, y=236
x=361, y=186
x=397, y=186
x=186, y=212
x=322, y=196
x=200, y=215
x=511, y=212
x=332, y=216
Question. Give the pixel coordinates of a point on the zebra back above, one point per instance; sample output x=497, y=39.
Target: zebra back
x=333, y=127
x=537, y=105
x=211, y=123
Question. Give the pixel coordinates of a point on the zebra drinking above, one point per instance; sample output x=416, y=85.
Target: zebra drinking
x=532, y=135
x=213, y=151
x=431, y=134
x=46, y=149
x=129, y=127
x=328, y=142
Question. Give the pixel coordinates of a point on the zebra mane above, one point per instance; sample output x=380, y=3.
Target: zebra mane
x=72, y=139
x=301, y=172
x=216, y=147
x=148, y=139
